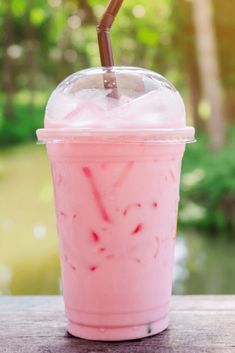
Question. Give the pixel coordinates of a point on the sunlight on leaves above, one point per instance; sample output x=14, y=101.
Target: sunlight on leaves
x=148, y=37
x=192, y=178
x=18, y=7
x=204, y=109
x=54, y=3
x=37, y=15
x=192, y=212
x=139, y=11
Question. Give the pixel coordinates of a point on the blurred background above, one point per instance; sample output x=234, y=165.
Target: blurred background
x=189, y=42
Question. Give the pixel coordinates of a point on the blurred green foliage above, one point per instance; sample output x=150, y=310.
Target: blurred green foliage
x=45, y=41
x=26, y=119
x=208, y=187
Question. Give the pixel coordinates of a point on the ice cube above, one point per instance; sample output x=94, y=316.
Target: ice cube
x=58, y=107
x=160, y=108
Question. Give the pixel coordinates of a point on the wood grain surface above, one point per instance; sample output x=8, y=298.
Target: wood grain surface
x=37, y=324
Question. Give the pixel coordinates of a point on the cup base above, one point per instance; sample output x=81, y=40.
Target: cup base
x=117, y=333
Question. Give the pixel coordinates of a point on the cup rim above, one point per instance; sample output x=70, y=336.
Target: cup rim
x=134, y=135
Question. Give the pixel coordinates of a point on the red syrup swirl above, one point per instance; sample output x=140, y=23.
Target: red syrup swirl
x=89, y=175
x=137, y=229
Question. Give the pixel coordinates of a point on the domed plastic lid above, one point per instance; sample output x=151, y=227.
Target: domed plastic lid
x=128, y=103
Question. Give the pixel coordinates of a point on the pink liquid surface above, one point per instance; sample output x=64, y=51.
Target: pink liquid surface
x=116, y=211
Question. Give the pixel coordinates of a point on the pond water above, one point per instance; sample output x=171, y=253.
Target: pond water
x=28, y=243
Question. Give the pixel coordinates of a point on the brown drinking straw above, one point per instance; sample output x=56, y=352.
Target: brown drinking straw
x=105, y=47
x=103, y=32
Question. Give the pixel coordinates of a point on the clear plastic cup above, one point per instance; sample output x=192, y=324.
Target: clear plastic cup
x=116, y=160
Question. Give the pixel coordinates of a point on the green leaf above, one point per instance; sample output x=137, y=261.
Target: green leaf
x=37, y=16
x=18, y=7
x=147, y=36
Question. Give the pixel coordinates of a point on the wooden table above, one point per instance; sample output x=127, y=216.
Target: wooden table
x=197, y=324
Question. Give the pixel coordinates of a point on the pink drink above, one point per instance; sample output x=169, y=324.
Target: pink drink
x=116, y=202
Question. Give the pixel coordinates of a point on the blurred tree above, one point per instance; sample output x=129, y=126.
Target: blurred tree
x=8, y=67
x=88, y=13
x=209, y=71
x=225, y=31
x=30, y=39
x=185, y=53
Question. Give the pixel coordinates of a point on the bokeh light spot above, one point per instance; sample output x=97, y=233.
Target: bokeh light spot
x=14, y=51
x=194, y=177
x=70, y=55
x=54, y=3
x=138, y=11
x=74, y=22
x=39, y=231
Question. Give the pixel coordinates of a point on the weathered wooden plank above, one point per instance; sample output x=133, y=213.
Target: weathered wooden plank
x=67, y=345
x=197, y=324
